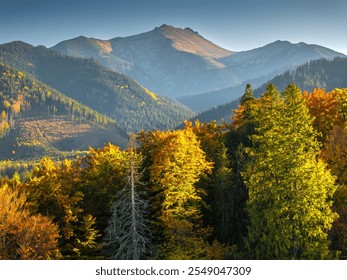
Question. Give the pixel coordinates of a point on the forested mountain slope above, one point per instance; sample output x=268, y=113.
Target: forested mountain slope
x=120, y=97
x=328, y=74
x=322, y=73
x=36, y=120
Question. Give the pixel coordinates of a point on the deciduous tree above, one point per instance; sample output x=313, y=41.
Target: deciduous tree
x=24, y=235
x=54, y=190
x=178, y=163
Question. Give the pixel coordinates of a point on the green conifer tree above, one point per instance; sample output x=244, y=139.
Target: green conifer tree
x=290, y=191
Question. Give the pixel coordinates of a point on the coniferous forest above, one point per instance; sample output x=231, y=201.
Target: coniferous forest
x=271, y=184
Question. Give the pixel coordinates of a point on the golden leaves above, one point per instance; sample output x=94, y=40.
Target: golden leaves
x=23, y=235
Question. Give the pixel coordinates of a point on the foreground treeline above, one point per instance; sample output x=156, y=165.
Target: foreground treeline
x=270, y=185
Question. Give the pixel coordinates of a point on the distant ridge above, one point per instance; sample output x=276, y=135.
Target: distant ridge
x=166, y=59
x=322, y=73
x=258, y=66
x=182, y=64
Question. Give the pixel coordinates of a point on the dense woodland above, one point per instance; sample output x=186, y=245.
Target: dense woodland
x=272, y=184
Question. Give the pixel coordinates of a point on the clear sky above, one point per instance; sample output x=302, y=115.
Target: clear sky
x=233, y=24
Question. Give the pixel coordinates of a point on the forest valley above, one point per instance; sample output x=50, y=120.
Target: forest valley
x=272, y=184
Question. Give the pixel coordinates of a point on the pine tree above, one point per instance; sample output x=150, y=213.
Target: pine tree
x=237, y=139
x=243, y=116
x=220, y=199
x=290, y=191
x=86, y=245
x=224, y=205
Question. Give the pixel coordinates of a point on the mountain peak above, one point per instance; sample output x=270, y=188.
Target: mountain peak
x=191, y=30
x=190, y=41
x=81, y=37
x=279, y=43
x=168, y=28
x=163, y=26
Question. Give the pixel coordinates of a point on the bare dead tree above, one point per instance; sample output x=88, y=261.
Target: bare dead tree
x=127, y=236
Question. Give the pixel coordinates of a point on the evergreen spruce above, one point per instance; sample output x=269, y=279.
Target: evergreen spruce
x=290, y=191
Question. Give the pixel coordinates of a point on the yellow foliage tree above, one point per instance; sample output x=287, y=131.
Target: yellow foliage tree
x=23, y=235
x=102, y=177
x=178, y=162
x=329, y=109
x=55, y=190
x=323, y=106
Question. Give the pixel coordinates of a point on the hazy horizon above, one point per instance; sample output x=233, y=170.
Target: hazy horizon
x=235, y=25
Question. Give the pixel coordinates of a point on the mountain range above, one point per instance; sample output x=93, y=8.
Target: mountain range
x=182, y=64
x=87, y=92
x=166, y=59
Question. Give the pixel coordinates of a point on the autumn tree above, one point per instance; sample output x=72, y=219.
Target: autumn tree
x=177, y=163
x=329, y=109
x=24, y=235
x=330, y=112
x=54, y=191
x=341, y=97
x=290, y=191
x=102, y=177
x=323, y=106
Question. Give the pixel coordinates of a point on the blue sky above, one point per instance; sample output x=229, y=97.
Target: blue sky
x=233, y=24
